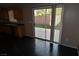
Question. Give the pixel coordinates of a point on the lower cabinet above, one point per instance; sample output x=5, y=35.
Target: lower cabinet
x=20, y=31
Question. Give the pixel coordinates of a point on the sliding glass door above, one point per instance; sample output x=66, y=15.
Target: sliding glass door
x=42, y=20
x=48, y=24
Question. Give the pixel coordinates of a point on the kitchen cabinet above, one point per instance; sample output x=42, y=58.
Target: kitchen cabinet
x=4, y=16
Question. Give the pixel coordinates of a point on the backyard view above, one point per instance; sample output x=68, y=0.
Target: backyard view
x=42, y=18
x=42, y=23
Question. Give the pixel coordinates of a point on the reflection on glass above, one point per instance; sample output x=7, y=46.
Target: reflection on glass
x=58, y=24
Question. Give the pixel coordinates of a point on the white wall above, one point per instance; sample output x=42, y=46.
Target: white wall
x=70, y=35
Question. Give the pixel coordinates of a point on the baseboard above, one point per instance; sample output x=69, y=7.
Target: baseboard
x=69, y=46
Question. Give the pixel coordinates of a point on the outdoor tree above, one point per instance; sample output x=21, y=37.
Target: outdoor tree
x=42, y=12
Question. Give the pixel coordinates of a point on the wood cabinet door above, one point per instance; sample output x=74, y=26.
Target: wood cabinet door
x=20, y=31
x=4, y=14
x=18, y=14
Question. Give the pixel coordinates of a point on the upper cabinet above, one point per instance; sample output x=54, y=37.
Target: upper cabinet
x=17, y=12
x=4, y=13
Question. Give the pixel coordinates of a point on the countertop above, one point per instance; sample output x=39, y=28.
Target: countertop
x=11, y=24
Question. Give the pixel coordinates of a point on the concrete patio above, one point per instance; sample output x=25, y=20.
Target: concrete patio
x=45, y=33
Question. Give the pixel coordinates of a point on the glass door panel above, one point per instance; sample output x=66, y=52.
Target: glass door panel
x=48, y=23
x=58, y=25
x=39, y=18
x=42, y=19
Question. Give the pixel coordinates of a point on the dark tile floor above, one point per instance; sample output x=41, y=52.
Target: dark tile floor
x=11, y=46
